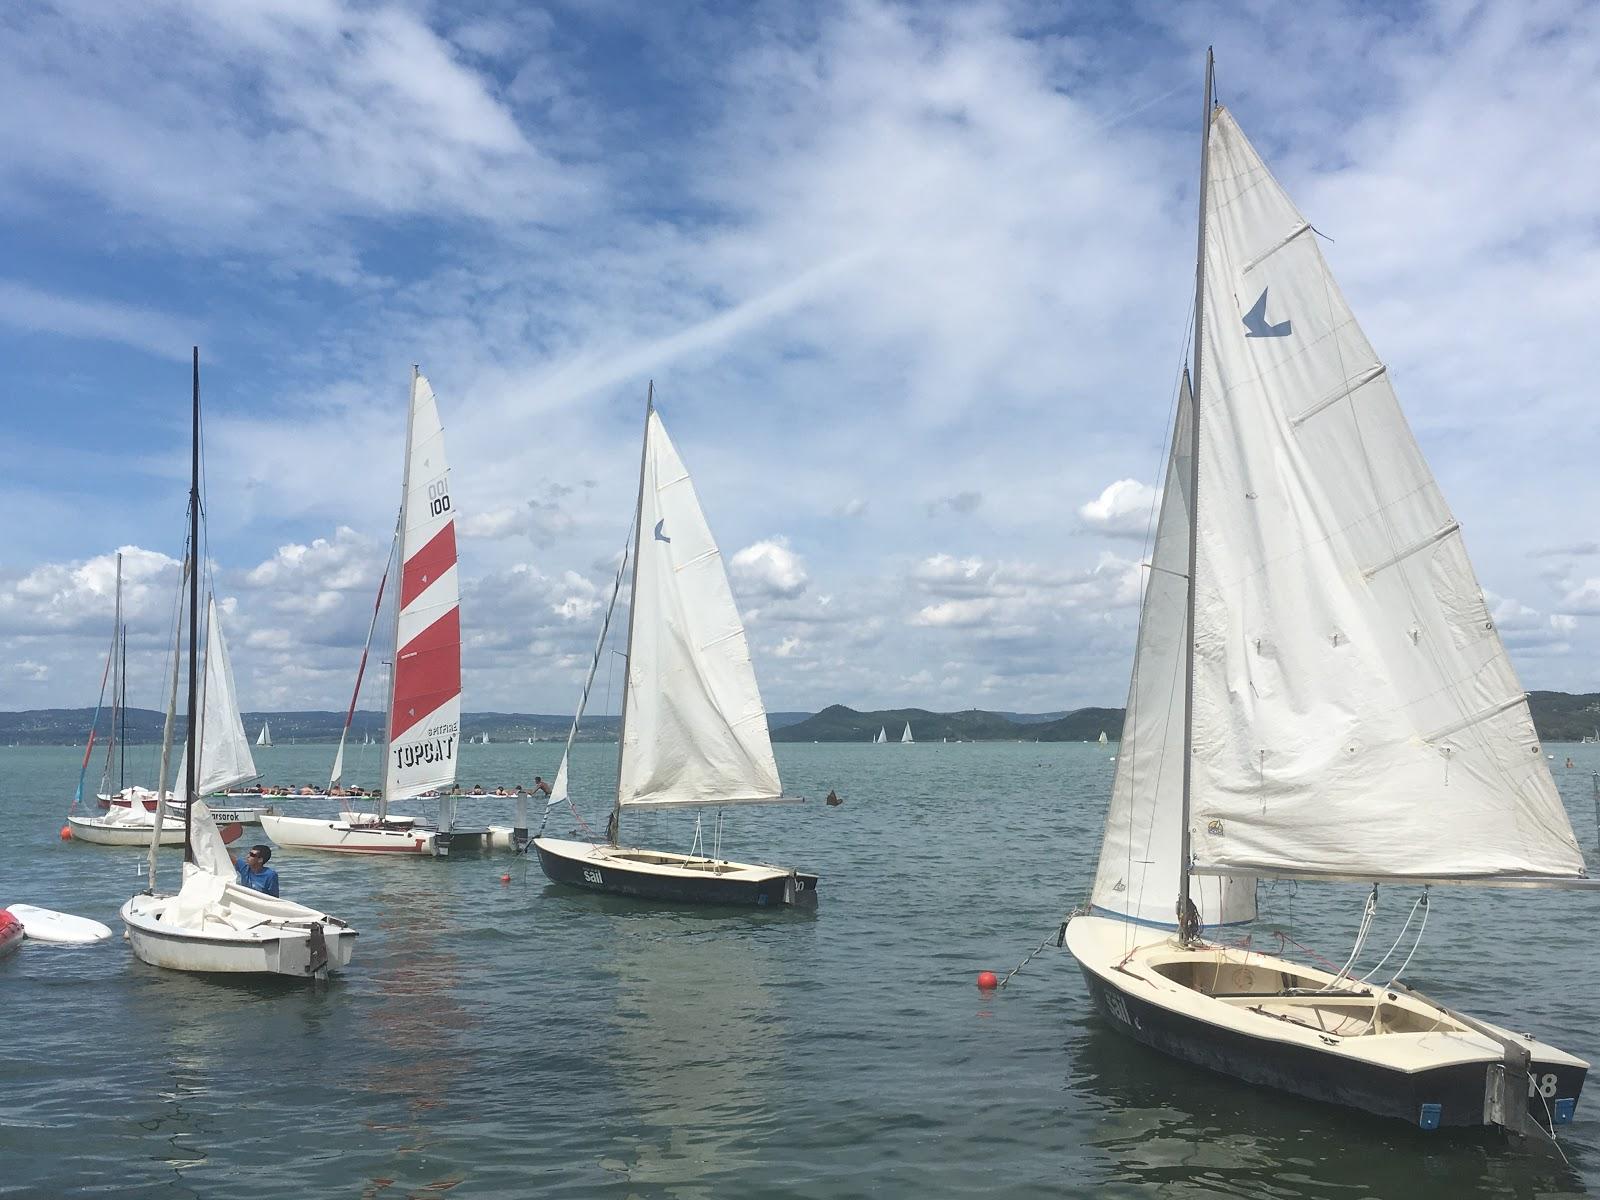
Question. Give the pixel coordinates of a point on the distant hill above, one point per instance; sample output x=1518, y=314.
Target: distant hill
x=1558, y=717
x=1561, y=717
x=840, y=724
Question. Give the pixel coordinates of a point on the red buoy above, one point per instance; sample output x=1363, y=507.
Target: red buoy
x=987, y=982
x=66, y=833
x=506, y=878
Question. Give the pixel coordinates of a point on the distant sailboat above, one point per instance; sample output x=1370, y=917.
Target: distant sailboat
x=1103, y=739
x=1318, y=693
x=883, y=736
x=264, y=738
x=693, y=729
x=906, y=738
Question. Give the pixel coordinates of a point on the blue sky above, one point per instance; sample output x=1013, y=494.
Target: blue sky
x=912, y=281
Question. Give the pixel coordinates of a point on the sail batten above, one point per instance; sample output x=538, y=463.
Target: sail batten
x=696, y=731
x=1355, y=712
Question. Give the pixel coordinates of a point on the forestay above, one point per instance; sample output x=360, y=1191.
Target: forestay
x=1355, y=711
x=425, y=704
x=696, y=729
x=1140, y=864
x=225, y=758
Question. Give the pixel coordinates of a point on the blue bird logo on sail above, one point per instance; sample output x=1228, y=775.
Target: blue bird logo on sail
x=661, y=537
x=1255, y=321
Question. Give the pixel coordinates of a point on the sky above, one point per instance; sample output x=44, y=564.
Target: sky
x=911, y=280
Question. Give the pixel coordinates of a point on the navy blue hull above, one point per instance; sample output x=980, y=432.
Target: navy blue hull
x=1458, y=1090
x=698, y=888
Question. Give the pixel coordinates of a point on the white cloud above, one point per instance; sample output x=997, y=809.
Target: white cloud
x=1125, y=508
x=769, y=568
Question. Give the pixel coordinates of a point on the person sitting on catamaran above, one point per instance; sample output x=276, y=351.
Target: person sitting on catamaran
x=254, y=872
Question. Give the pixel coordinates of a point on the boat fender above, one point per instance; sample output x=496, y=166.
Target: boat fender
x=318, y=960
x=66, y=833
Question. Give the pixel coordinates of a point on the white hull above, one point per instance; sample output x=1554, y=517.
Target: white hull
x=346, y=836
x=256, y=934
x=224, y=815
x=102, y=832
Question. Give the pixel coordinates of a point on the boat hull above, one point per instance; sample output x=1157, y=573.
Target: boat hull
x=360, y=833
x=673, y=878
x=287, y=951
x=1315, y=1068
x=97, y=831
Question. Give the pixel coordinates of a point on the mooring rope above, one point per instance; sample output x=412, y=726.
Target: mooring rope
x=1059, y=937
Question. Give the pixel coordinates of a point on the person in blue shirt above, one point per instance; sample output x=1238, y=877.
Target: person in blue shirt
x=254, y=872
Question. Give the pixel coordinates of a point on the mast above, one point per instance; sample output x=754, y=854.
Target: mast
x=194, y=618
x=633, y=615
x=394, y=656
x=122, y=739
x=166, y=728
x=1186, y=931
x=119, y=663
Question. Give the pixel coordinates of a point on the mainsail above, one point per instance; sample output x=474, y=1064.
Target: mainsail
x=1139, y=869
x=264, y=738
x=425, y=700
x=906, y=736
x=695, y=726
x=1355, y=713
x=224, y=748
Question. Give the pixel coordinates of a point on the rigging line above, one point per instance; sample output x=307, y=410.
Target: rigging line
x=1410, y=916
x=1368, y=912
x=1415, y=944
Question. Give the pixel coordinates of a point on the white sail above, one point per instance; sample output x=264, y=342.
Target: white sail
x=425, y=699
x=883, y=735
x=1355, y=711
x=1140, y=855
x=696, y=726
x=264, y=738
x=906, y=736
x=224, y=746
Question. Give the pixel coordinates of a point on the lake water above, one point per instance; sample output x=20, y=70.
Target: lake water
x=517, y=1039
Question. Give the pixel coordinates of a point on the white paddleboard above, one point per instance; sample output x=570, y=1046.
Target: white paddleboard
x=47, y=925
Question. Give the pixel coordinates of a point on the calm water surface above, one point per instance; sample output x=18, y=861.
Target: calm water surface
x=516, y=1039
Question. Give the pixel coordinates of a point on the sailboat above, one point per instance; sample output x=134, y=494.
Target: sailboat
x=1103, y=739
x=424, y=710
x=883, y=736
x=1318, y=693
x=129, y=822
x=906, y=738
x=693, y=729
x=264, y=738
x=213, y=924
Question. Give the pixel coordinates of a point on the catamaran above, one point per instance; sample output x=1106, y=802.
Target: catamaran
x=1318, y=693
x=213, y=924
x=694, y=730
x=424, y=710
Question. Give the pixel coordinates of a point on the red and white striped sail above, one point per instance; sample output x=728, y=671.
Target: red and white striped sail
x=425, y=703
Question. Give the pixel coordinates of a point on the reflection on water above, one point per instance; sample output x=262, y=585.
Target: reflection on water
x=696, y=1044
x=414, y=1047
x=1169, y=1129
